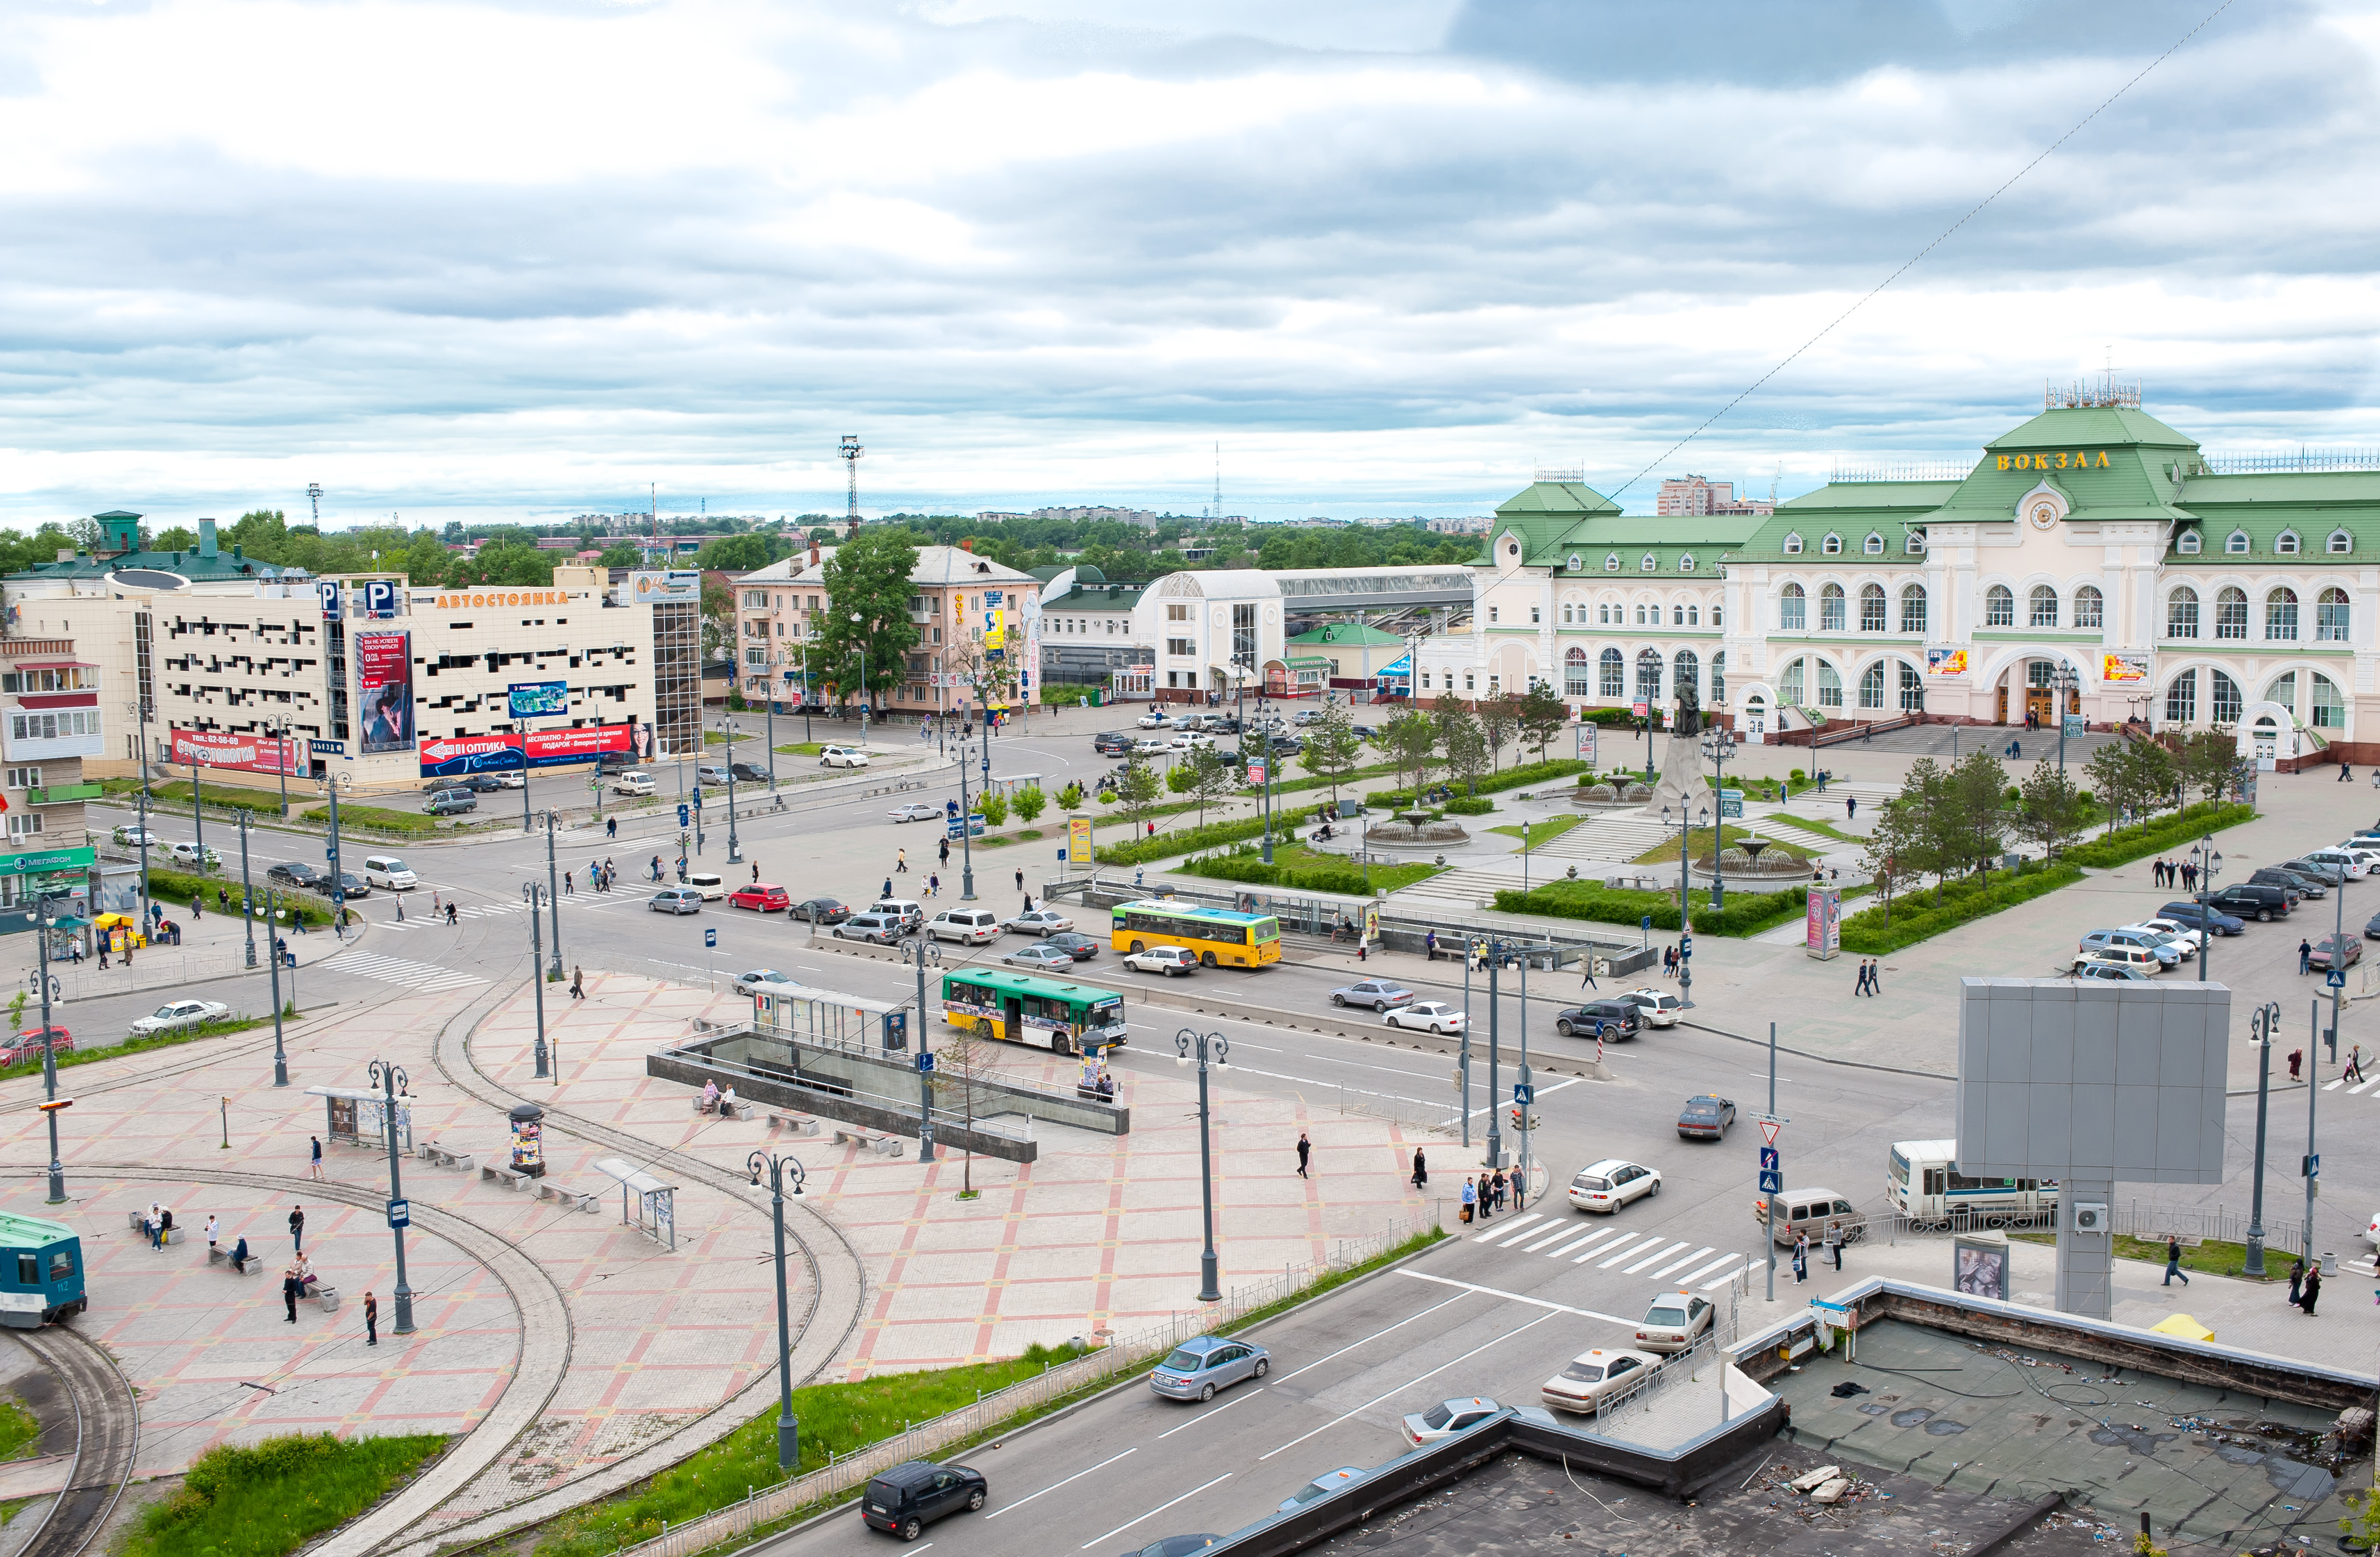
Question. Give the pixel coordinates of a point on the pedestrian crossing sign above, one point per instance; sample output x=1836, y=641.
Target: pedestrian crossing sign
x=2335, y=978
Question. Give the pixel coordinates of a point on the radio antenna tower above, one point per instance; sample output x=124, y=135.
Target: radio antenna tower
x=851, y=451
x=1218, y=482
x=314, y=495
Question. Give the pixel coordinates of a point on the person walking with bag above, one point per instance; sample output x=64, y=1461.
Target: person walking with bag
x=1421, y=1170
x=1470, y=1197
x=1801, y=1257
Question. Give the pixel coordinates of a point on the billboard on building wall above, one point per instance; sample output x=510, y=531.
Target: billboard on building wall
x=1946, y=662
x=672, y=586
x=502, y=751
x=384, y=690
x=455, y=756
x=553, y=748
x=540, y=699
x=254, y=754
x=2123, y=667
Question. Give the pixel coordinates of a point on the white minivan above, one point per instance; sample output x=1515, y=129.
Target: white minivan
x=969, y=927
x=388, y=870
x=636, y=781
x=708, y=885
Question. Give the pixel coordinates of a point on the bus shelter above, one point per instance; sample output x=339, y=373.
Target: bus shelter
x=647, y=1203
x=358, y=1117
x=827, y=1019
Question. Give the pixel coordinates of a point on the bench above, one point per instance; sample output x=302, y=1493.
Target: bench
x=874, y=1140
x=740, y=1109
x=136, y=1220
x=223, y=1257
x=548, y=1190
x=445, y=1159
x=799, y=1123
x=509, y=1177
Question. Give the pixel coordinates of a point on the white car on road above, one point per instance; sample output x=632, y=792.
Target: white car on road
x=188, y=854
x=1661, y=1009
x=1040, y=955
x=1611, y=1184
x=1156, y=719
x=181, y=1015
x=1040, y=921
x=916, y=810
x=1190, y=741
x=764, y=980
x=1432, y=1015
x=1592, y=1375
x=842, y=757
x=1171, y=961
x=133, y=837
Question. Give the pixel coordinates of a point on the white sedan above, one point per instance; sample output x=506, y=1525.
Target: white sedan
x=179, y=1017
x=1171, y=961
x=1156, y=719
x=764, y=980
x=1611, y=1184
x=1146, y=747
x=916, y=810
x=1190, y=741
x=1661, y=1009
x=510, y=780
x=2182, y=938
x=1592, y=1376
x=1433, y=1015
x=842, y=757
x=1040, y=921
x=133, y=837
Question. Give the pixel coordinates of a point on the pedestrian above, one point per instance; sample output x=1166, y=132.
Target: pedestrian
x=2313, y=1291
x=1429, y=945
x=1835, y=1243
x=1421, y=1170
x=1859, y=985
x=210, y=1237
x=568, y=888
x=196, y=910
x=1875, y=976
x=150, y=1224
x=756, y=866
x=103, y=952
x=888, y=886
x=1486, y=1200
x=315, y=1169
x=946, y=851
x=2305, y=956
x=577, y=982
x=289, y=1292
x=1802, y=1257
x=371, y=1319
x=1470, y=1197
x=1020, y=879
x=901, y=866
x=223, y=899
x=2295, y=1056
x=2173, y=1261
x=933, y=883
x=297, y=1227
x=1851, y=807
x=655, y=867
x=1499, y=1182
x=2296, y=1280
x=611, y=829
x=2345, y=772
x=1305, y=1153
x=2354, y=1071
x=1586, y=973
x=450, y=910
x=1152, y=830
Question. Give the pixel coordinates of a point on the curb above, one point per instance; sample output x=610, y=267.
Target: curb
x=352, y=940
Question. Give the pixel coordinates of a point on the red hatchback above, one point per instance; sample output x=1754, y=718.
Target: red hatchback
x=760, y=895
x=25, y=1048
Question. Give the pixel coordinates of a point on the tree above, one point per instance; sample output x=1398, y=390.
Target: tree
x=1976, y=821
x=1071, y=797
x=1030, y=803
x=1137, y=788
x=2131, y=776
x=735, y=553
x=868, y=631
x=1542, y=715
x=1179, y=777
x=1891, y=851
x=718, y=618
x=1467, y=751
x=1455, y=727
x=964, y=1059
x=1497, y=718
x=1410, y=740
x=2207, y=759
x=994, y=807
x=1928, y=827
x=2111, y=777
x=2049, y=810
x=175, y=538
x=1214, y=777
x=1333, y=747
x=621, y=553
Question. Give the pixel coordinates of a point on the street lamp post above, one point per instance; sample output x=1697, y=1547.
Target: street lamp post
x=789, y=1431
x=1495, y=1051
x=966, y=832
x=531, y=894
x=2264, y=1026
x=331, y=785
x=1210, y=1047
x=49, y=1105
x=1685, y=919
x=273, y=922
x=771, y=720
x=2210, y=862
x=391, y=1083
x=920, y=952
x=280, y=760
x=553, y=899
x=247, y=893
x=735, y=848
x=1718, y=744
x=1524, y=857
x=2065, y=681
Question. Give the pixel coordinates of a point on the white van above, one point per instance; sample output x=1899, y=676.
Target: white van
x=908, y=910
x=708, y=885
x=388, y=870
x=969, y=927
x=636, y=781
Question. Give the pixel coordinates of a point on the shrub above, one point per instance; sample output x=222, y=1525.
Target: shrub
x=174, y=886
x=1071, y=797
x=1745, y=914
x=2157, y=835
x=994, y=807
x=1190, y=840
x=270, y=1496
x=1307, y=878
x=1030, y=803
x=1914, y=917
x=1468, y=807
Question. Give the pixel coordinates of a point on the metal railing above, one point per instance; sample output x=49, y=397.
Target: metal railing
x=842, y=1473
x=1624, y=1415
x=153, y=968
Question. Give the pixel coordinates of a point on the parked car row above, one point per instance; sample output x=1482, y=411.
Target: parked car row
x=2175, y=934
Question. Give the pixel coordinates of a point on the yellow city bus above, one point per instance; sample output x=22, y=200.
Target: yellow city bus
x=1220, y=936
x=1022, y=1008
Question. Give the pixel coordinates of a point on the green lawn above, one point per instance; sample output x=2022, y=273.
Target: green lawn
x=2213, y=1257
x=268, y=1498
x=412, y=823
x=18, y=1428
x=1543, y=831
x=129, y=1046
x=1732, y=833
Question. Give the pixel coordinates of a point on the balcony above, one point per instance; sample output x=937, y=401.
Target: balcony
x=60, y=794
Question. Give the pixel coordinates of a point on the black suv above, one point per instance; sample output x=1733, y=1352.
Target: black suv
x=2292, y=882
x=1111, y=742
x=820, y=911
x=747, y=773
x=906, y=1498
x=2252, y=901
x=1601, y=1019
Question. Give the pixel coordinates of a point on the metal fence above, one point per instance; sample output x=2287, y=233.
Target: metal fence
x=153, y=968
x=1121, y=1356
x=2284, y=1225
x=1630, y=1413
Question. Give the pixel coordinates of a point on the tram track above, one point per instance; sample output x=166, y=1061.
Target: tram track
x=107, y=1437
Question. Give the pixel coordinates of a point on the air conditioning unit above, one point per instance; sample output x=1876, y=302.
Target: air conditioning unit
x=2089, y=1219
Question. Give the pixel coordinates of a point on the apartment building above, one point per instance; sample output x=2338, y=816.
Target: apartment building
x=51, y=719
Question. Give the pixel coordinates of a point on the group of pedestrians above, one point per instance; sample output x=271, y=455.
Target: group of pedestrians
x=602, y=874
x=1832, y=1242
x=2169, y=873
x=1870, y=980
x=1484, y=1194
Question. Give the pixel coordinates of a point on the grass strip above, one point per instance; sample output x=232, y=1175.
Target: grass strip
x=847, y=1418
x=135, y=1046
x=219, y=797
x=268, y=1497
x=18, y=1428
x=1747, y=913
x=1306, y=870
x=1667, y=849
x=412, y=824
x=1914, y=916
x=1543, y=831
x=2211, y=1258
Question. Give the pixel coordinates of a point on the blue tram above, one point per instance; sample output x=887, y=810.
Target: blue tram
x=41, y=1272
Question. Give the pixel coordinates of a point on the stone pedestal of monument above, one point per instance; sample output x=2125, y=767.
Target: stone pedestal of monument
x=1682, y=785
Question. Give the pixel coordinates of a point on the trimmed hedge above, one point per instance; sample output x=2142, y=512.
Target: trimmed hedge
x=1345, y=880
x=1914, y=917
x=2157, y=835
x=1511, y=778
x=174, y=886
x=1215, y=834
x=1461, y=807
x=1746, y=913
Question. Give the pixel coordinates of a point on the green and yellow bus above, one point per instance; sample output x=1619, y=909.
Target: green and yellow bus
x=1220, y=936
x=1026, y=1008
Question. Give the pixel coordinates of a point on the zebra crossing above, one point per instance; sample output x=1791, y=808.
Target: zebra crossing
x=420, y=916
x=1676, y=1263
x=426, y=978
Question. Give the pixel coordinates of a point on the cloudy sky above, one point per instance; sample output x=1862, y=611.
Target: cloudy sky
x=520, y=257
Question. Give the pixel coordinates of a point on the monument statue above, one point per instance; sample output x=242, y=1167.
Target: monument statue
x=1689, y=712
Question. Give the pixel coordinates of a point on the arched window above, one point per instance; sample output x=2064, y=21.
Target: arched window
x=1648, y=674
x=2330, y=616
x=1611, y=561
x=1794, y=545
x=1676, y=616
x=1792, y=610
x=2090, y=608
x=1832, y=545
x=1873, y=545
x=1650, y=565
x=1914, y=543
x=1685, y=670
x=1912, y=608
x=1719, y=680
x=2181, y=699
x=2000, y=607
x=1577, y=680
x=1788, y=686
x=1912, y=689
x=1687, y=562
x=1830, y=609
x=2225, y=702
x=1871, y=689
x=1693, y=615
x=2182, y=613
x=2042, y=607
x=1830, y=686
x=2188, y=543
x=1719, y=614
x=2281, y=613
x=2232, y=614
x=2340, y=543
x=2286, y=543
x=1611, y=682
x=2329, y=708
x=2236, y=543
x=1871, y=613
x=2283, y=691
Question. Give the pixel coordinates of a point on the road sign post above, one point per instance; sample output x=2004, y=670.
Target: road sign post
x=400, y=1213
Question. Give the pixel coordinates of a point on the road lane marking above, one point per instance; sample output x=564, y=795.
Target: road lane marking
x=1698, y=1275
x=1522, y=1232
x=1616, y=1251
x=1652, y=1258
x=1217, y=1412
x=1722, y=1281
x=1055, y=1485
x=1375, y=1335
x=1500, y=1231
x=1152, y=1514
x=1560, y=1231
x=1681, y=1264
x=2353, y=1092
x=1596, y=1236
x=1309, y=1081
x=1516, y=1297
x=1406, y=1385
x=2336, y=1085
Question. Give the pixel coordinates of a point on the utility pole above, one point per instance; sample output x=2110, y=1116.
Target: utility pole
x=552, y=897
x=2264, y=1026
x=273, y=922
x=247, y=910
x=917, y=951
x=851, y=451
x=1495, y=1011
x=50, y=1104
x=392, y=1081
x=531, y=892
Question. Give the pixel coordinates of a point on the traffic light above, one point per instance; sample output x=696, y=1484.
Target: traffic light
x=1517, y=1125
